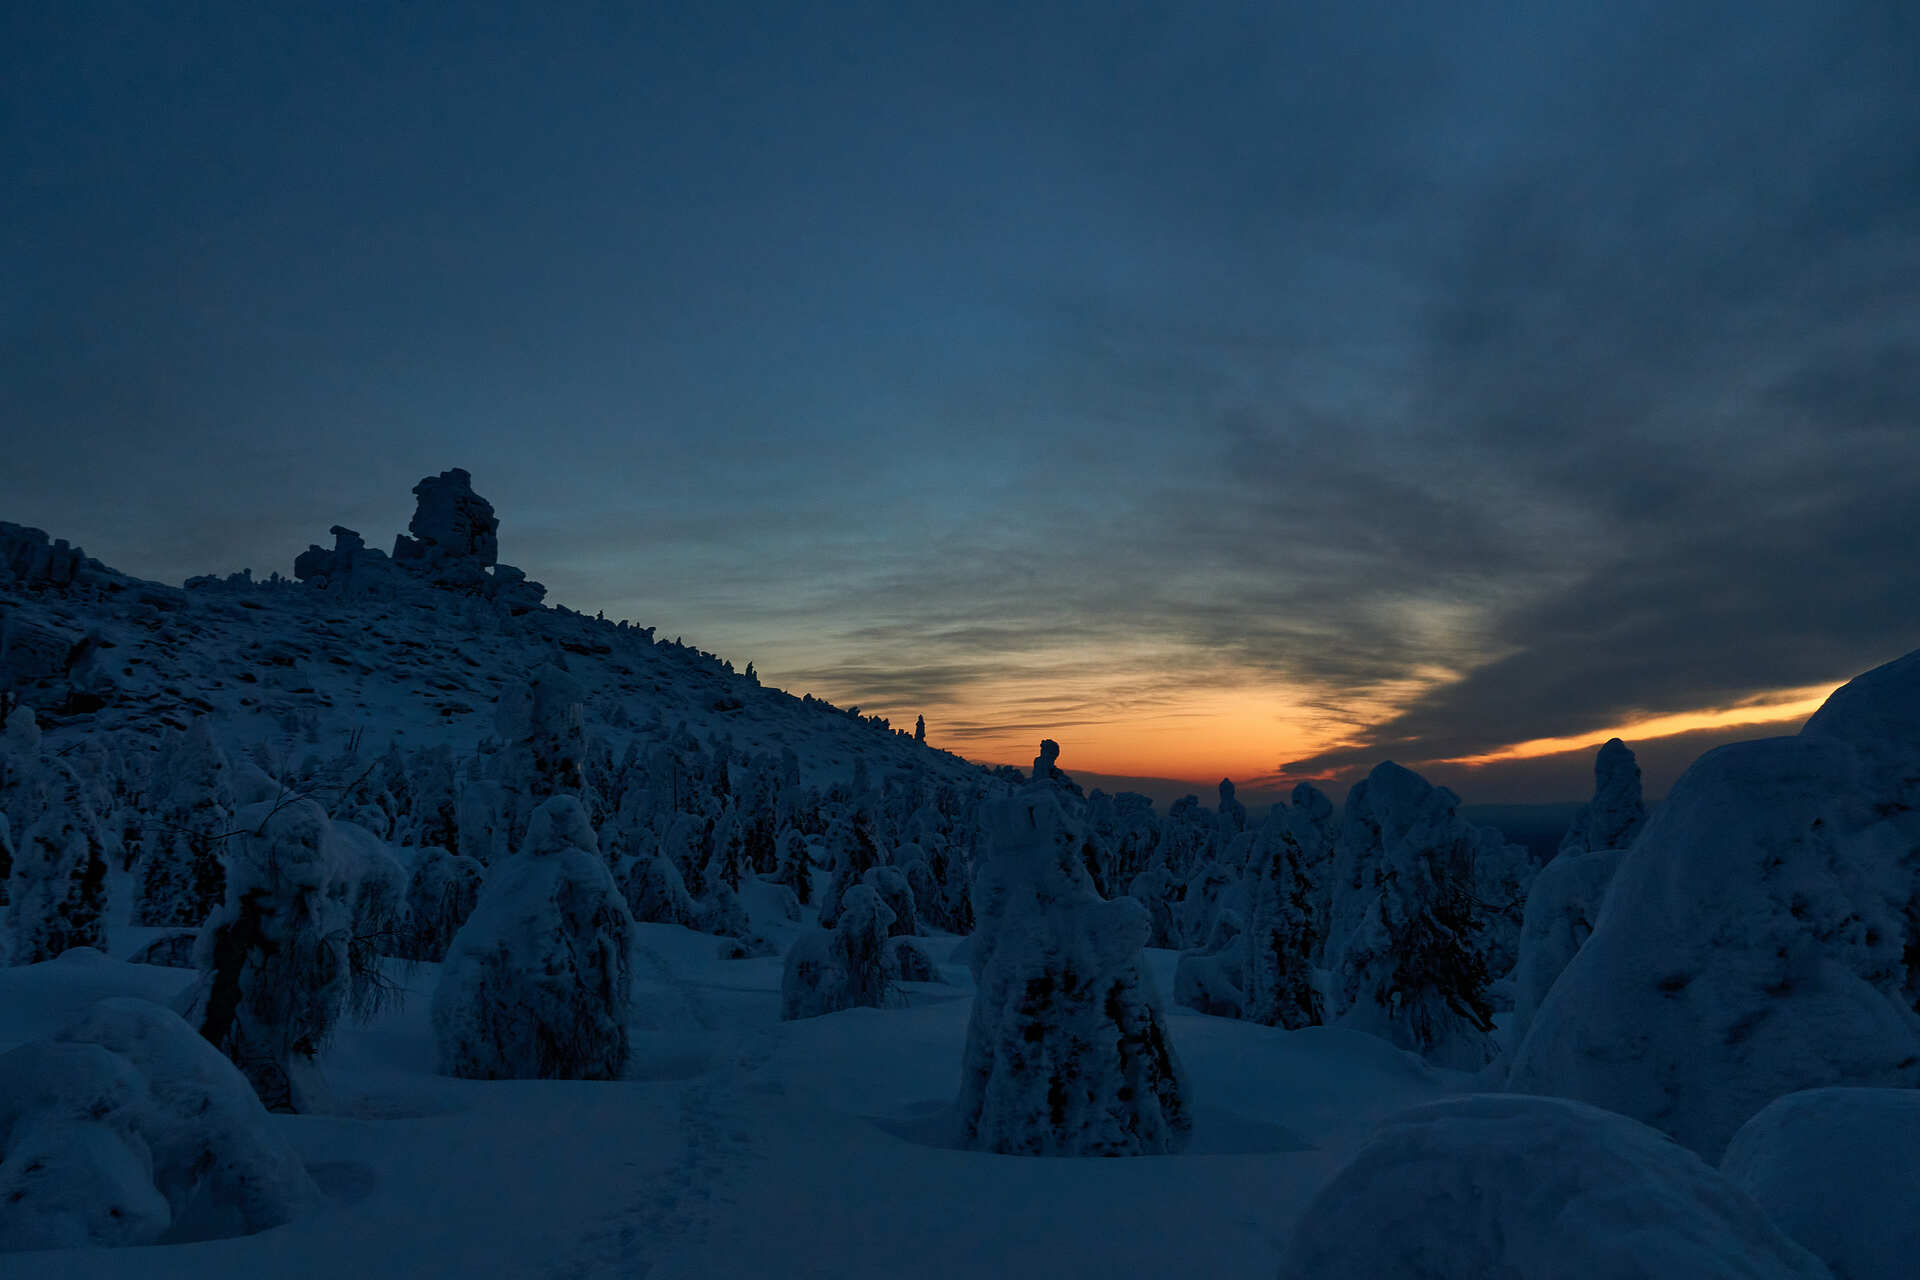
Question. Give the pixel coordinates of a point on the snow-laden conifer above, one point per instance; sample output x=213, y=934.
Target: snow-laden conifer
x=442, y=891
x=844, y=967
x=1281, y=942
x=1067, y=1048
x=1407, y=965
x=182, y=861
x=58, y=887
x=537, y=982
x=273, y=958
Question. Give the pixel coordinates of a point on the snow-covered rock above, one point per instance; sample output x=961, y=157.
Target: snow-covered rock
x=217, y=1159
x=1067, y=1047
x=1533, y=1189
x=1836, y=1169
x=537, y=982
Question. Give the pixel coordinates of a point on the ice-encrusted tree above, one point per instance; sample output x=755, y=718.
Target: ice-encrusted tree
x=656, y=894
x=1281, y=940
x=442, y=890
x=1067, y=1048
x=844, y=967
x=1615, y=815
x=1407, y=964
x=182, y=872
x=857, y=854
x=59, y=879
x=538, y=981
x=796, y=866
x=273, y=958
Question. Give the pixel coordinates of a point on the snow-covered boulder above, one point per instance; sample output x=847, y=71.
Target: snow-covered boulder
x=74, y=1167
x=1561, y=908
x=1750, y=946
x=537, y=982
x=1836, y=1169
x=1531, y=1189
x=217, y=1159
x=129, y=1128
x=1067, y=1047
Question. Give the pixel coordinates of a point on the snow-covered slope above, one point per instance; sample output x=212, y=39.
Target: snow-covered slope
x=382, y=658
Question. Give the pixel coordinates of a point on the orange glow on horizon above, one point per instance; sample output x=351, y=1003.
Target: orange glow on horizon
x=1770, y=708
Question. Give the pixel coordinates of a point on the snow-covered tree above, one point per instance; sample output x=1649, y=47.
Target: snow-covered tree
x=1067, y=1048
x=1281, y=942
x=6, y=858
x=1613, y=818
x=796, y=866
x=442, y=891
x=894, y=890
x=1755, y=939
x=845, y=967
x=537, y=982
x=1561, y=908
x=182, y=872
x=59, y=880
x=856, y=854
x=273, y=958
x=1407, y=963
x=656, y=894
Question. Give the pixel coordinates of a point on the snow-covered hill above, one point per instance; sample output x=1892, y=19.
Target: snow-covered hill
x=372, y=651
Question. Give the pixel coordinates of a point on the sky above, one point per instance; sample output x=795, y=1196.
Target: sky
x=1219, y=389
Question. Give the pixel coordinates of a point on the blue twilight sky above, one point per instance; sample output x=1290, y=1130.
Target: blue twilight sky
x=1212, y=387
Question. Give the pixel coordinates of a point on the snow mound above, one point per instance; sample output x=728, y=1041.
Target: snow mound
x=216, y=1158
x=1495, y=1185
x=1750, y=946
x=1834, y=1168
x=129, y=1128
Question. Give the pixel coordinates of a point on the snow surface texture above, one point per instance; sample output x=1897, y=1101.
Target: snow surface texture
x=127, y=1128
x=1529, y=1189
x=1751, y=943
x=537, y=982
x=1068, y=1052
x=1836, y=1170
